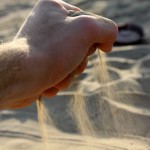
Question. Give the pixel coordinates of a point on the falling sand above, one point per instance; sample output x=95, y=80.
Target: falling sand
x=81, y=108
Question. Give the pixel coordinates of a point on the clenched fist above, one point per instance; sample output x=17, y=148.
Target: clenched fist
x=60, y=37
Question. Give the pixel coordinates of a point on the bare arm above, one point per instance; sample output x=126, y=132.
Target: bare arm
x=16, y=70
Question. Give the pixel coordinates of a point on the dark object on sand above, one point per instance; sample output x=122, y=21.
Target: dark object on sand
x=129, y=34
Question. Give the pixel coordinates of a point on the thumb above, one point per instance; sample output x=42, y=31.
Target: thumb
x=106, y=47
x=107, y=32
x=102, y=30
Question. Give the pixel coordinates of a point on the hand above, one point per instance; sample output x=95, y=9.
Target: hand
x=62, y=44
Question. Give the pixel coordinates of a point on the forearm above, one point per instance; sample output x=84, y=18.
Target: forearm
x=16, y=70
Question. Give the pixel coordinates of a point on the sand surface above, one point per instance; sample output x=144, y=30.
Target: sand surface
x=129, y=65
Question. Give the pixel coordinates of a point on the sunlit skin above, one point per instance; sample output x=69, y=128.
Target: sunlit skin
x=64, y=42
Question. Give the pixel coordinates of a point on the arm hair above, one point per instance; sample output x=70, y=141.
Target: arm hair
x=15, y=69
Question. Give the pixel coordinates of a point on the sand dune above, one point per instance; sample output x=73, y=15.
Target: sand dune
x=129, y=67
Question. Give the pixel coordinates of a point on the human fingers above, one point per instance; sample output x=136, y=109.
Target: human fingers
x=22, y=103
x=65, y=83
x=81, y=67
x=92, y=49
x=68, y=80
x=50, y=92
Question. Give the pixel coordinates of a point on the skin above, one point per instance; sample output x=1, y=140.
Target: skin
x=55, y=45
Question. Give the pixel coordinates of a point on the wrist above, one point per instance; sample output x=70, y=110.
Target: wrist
x=22, y=72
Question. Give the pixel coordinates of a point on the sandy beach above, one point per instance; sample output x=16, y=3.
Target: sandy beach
x=129, y=67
